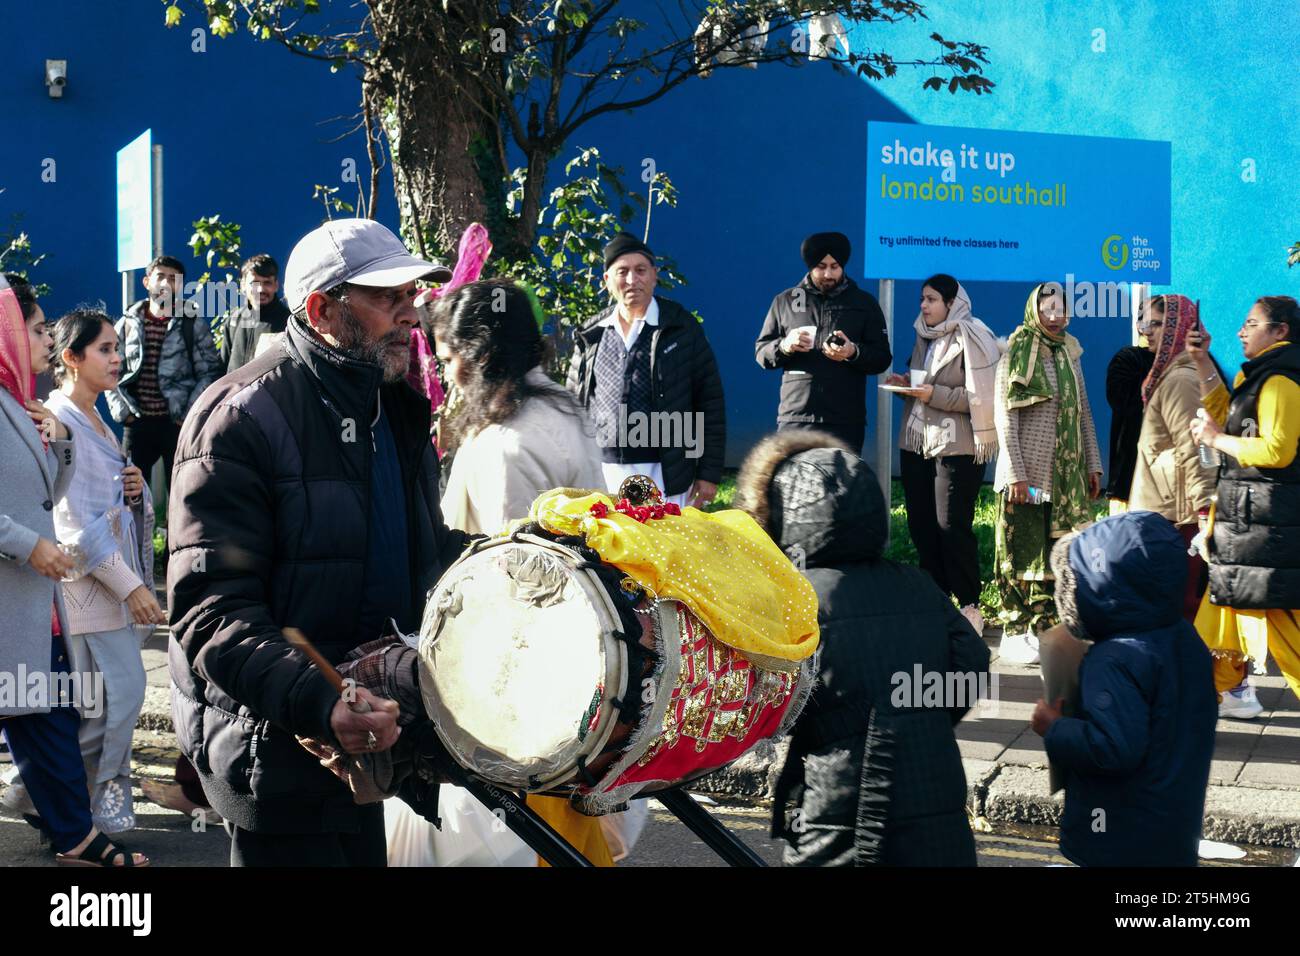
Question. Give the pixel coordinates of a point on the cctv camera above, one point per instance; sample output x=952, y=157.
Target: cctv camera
x=56, y=76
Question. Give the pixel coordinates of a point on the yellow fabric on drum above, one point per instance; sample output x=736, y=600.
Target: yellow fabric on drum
x=722, y=566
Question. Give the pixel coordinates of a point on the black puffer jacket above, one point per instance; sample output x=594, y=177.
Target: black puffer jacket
x=268, y=528
x=815, y=389
x=874, y=771
x=685, y=380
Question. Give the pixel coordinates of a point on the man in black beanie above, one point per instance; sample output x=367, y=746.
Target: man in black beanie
x=647, y=375
x=827, y=336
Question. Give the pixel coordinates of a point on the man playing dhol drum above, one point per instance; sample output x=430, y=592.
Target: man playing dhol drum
x=305, y=494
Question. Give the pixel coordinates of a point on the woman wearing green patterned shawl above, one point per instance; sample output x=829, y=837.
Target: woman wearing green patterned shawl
x=1049, y=466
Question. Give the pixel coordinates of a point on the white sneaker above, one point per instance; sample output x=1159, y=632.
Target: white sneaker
x=1019, y=648
x=972, y=613
x=1240, y=703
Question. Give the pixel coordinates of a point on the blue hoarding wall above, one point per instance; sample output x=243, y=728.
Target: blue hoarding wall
x=247, y=130
x=761, y=157
x=1015, y=206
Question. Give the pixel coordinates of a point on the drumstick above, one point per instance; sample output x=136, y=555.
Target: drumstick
x=299, y=640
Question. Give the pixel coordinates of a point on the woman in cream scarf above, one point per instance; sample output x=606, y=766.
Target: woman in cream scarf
x=947, y=437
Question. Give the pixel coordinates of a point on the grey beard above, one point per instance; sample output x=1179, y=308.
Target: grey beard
x=354, y=343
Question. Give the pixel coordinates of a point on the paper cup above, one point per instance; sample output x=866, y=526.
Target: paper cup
x=918, y=377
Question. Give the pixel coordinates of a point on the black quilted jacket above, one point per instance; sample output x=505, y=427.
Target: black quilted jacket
x=268, y=528
x=685, y=379
x=873, y=773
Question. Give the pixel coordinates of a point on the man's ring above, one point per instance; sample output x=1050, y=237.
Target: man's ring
x=371, y=740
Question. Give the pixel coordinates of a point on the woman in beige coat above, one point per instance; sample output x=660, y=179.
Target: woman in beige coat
x=1168, y=477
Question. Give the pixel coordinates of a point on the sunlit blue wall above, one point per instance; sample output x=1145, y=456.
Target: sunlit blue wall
x=760, y=157
x=245, y=130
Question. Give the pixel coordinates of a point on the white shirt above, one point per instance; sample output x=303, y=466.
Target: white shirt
x=629, y=339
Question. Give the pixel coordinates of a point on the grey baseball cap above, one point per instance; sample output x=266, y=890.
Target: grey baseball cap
x=360, y=251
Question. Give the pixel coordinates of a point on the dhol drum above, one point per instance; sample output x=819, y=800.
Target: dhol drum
x=543, y=671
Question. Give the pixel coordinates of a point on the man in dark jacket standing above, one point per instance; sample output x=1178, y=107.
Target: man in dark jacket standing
x=1137, y=754
x=873, y=770
x=305, y=494
x=263, y=312
x=827, y=336
x=647, y=375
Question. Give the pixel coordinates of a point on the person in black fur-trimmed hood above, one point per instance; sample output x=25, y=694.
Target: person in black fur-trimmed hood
x=873, y=769
x=646, y=374
x=826, y=335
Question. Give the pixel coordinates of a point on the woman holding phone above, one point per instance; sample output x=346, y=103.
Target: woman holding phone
x=1168, y=476
x=106, y=522
x=1253, y=603
x=948, y=436
x=1049, y=466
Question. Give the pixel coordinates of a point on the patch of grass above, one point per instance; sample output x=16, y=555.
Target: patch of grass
x=159, y=554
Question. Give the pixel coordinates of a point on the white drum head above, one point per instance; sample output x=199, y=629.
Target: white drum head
x=518, y=663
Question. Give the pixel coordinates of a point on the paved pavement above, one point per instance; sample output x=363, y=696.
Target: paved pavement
x=1254, y=793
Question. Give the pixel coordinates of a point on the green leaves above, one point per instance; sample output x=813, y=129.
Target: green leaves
x=1293, y=256
x=328, y=197
x=173, y=15
x=580, y=216
x=16, y=255
x=215, y=240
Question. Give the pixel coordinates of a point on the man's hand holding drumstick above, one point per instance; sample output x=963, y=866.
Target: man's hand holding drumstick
x=367, y=724
x=354, y=728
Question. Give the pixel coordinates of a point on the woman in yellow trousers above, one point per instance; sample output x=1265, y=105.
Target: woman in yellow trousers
x=1253, y=536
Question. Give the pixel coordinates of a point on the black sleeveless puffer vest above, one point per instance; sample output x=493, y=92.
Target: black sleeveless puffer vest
x=1255, y=548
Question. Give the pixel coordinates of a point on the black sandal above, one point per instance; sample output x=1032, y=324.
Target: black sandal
x=100, y=852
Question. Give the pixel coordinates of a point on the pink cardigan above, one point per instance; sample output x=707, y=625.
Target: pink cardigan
x=96, y=603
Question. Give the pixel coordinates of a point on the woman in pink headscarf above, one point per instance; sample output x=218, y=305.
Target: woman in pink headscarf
x=1168, y=476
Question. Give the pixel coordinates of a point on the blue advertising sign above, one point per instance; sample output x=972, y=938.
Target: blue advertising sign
x=135, y=203
x=995, y=205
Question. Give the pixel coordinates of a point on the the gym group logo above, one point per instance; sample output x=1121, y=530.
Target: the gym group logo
x=1114, y=252
x=1136, y=252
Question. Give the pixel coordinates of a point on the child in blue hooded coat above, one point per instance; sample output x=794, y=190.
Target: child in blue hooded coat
x=1137, y=755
